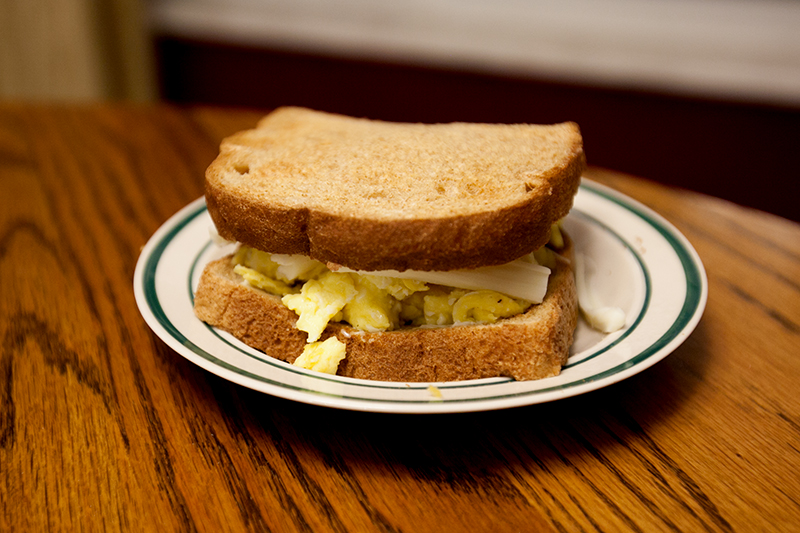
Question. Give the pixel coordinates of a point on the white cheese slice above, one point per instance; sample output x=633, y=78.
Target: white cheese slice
x=518, y=279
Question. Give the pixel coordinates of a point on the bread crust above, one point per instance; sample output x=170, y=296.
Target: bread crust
x=532, y=345
x=516, y=202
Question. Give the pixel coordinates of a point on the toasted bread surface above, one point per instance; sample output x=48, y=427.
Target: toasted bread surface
x=374, y=195
x=532, y=345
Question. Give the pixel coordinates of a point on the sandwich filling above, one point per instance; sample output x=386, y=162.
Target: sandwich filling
x=390, y=300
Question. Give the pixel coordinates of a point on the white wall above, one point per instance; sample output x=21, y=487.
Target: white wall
x=738, y=49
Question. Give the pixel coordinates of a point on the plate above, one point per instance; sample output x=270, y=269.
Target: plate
x=639, y=262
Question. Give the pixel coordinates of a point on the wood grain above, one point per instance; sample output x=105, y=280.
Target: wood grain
x=102, y=427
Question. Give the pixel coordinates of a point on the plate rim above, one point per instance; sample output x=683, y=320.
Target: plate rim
x=685, y=322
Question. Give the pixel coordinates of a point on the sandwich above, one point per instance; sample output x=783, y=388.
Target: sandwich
x=396, y=251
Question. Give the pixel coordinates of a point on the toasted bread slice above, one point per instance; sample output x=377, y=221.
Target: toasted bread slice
x=532, y=345
x=374, y=195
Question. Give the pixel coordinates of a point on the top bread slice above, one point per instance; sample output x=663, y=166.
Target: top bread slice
x=373, y=195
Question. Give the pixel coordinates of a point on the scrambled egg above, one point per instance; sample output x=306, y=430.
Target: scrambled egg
x=486, y=306
x=320, y=301
x=323, y=356
x=368, y=302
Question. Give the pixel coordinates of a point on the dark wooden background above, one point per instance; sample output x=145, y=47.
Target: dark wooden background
x=739, y=151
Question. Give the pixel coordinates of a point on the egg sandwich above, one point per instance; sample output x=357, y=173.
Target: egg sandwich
x=394, y=251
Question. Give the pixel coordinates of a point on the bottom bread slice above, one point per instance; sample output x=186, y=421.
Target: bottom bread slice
x=532, y=345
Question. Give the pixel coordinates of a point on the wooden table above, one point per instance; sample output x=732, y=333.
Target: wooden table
x=102, y=427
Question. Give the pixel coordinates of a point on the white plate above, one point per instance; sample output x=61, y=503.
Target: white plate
x=641, y=264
